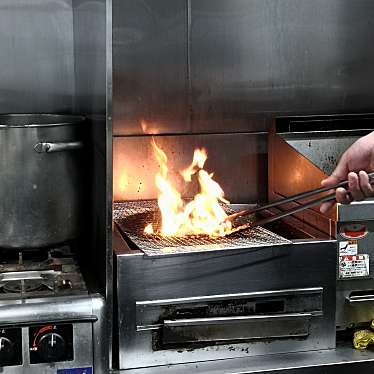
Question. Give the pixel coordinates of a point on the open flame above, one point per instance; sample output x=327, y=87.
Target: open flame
x=203, y=214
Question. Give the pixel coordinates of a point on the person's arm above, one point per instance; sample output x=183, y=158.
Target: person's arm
x=354, y=165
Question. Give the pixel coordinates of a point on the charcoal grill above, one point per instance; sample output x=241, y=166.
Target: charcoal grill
x=251, y=293
x=131, y=218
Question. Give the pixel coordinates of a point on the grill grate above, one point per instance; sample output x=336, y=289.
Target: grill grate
x=132, y=216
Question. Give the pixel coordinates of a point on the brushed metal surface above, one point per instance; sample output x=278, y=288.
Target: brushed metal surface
x=202, y=274
x=290, y=173
x=90, y=57
x=150, y=66
x=353, y=314
x=357, y=211
x=90, y=48
x=323, y=149
x=237, y=160
x=37, y=56
x=229, y=329
x=42, y=193
x=354, y=301
x=342, y=360
x=308, y=153
x=279, y=56
x=86, y=313
x=92, y=53
x=217, y=66
x=102, y=335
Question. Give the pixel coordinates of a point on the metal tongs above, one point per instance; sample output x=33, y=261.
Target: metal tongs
x=299, y=208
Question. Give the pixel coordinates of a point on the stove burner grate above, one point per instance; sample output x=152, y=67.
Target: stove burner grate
x=132, y=216
x=17, y=287
x=36, y=273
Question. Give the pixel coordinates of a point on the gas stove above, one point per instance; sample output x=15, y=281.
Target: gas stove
x=49, y=322
x=40, y=273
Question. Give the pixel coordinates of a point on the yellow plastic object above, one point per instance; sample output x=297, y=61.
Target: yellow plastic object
x=363, y=338
x=372, y=324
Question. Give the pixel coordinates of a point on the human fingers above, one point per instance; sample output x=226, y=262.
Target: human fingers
x=342, y=196
x=365, y=185
x=326, y=206
x=354, y=187
x=330, y=181
x=339, y=174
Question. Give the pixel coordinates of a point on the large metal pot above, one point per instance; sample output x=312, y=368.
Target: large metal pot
x=41, y=181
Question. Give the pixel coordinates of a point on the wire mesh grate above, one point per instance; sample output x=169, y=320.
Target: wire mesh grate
x=132, y=216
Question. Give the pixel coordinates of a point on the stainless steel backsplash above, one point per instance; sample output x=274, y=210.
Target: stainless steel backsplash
x=238, y=161
x=37, y=56
x=229, y=66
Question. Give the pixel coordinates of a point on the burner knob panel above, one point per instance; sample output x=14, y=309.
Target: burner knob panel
x=51, y=343
x=51, y=347
x=10, y=347
x=6, y=349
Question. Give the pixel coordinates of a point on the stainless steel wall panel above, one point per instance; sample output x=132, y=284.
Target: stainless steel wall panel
x=255, y=58
x=150, y=66
x=90, y=78
x=193, y=66
x=237, y=160
x=36, y=56
x=90, y=57
x=92, y=46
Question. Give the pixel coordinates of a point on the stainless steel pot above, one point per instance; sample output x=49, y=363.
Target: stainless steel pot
x=41, y=181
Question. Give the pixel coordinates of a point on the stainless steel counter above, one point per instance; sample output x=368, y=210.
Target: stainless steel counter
x=343, y=360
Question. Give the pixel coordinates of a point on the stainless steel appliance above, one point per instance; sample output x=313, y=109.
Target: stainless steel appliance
x=197, y=299
x=41, y=180
x=49, y=322
x=54, y=61
x=355, y=274
x=311, y=152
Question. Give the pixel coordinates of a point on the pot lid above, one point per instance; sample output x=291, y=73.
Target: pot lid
x=39, y=120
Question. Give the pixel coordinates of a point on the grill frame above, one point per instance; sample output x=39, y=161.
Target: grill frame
x=131, y=218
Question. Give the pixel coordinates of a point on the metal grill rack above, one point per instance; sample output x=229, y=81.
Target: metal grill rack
x=131, y=218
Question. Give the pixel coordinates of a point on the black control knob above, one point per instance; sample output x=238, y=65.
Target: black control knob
x=51, y=347
x=6, y=350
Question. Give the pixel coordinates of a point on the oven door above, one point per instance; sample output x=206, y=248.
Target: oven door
x=226, y=319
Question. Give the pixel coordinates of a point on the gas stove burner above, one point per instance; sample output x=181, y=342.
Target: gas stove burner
x=40, y=272
x=26, y=286
x=35, y=255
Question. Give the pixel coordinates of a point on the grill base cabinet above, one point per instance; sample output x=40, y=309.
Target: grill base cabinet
x=223, y=304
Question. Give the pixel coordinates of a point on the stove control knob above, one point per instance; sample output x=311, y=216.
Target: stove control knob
x=51, y=347
x=6, y=350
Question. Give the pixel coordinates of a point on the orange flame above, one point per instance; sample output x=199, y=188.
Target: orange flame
x=202, y=215
x=149, y=229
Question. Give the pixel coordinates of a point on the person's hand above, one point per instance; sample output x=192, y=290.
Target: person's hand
x=354, y=165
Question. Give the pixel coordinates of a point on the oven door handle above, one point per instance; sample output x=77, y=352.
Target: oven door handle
x=236, y=328
x=188, y=322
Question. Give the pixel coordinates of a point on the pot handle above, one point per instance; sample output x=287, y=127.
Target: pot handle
x=57, y=147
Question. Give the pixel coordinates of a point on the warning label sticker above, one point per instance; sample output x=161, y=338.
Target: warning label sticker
x=351, y=266
x=349, y=247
